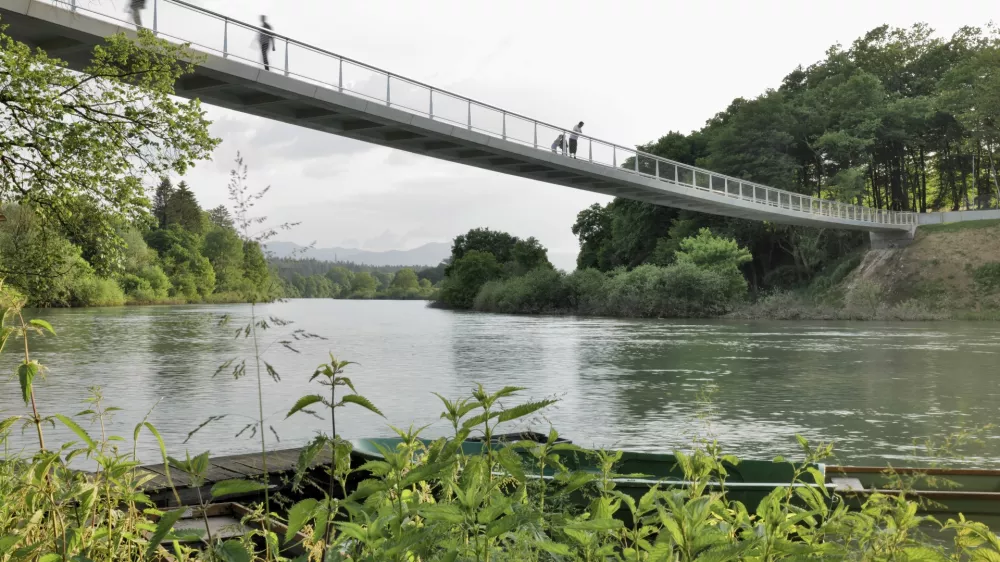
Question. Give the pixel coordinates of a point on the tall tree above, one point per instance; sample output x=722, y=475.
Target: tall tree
x=164, y=191
x=73, y=146
x=182, y=209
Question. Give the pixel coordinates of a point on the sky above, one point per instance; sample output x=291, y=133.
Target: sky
x=633, y=70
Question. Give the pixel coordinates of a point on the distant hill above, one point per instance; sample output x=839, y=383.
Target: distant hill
x=427, y=255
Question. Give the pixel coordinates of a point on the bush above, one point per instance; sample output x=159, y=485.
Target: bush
x=90, y=290
x=466, y=276
x=585, y=291
x=679, y=290
x=987, y=277
x=539, y=291
x=864, y=299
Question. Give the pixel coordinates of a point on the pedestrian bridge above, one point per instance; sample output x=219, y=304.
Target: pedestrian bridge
x=311, y=87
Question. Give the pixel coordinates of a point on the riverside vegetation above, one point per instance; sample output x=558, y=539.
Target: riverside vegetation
x=429, y=500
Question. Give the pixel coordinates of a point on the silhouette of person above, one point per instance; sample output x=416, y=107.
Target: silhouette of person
x=136, y=7
x=558, y=144
x=266, y=40
x=573, y=137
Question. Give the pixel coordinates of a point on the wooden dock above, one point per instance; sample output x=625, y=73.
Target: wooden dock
x=281, y=466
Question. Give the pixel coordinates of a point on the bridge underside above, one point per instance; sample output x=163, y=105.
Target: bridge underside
x=238, y=86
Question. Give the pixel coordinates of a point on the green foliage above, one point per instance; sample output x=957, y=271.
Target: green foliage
x=987, y=276
x=224, y=250
x=95, y=156
x=705, y=280
x=405, y=279
x=538, y=291
x=466, y=276
x=363, y=285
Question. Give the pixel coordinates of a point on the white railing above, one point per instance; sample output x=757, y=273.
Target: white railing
x=216, y=33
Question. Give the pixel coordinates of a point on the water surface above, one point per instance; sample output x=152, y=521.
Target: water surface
x=652, y=385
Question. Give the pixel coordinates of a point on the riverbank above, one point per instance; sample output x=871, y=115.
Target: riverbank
x=950, y=271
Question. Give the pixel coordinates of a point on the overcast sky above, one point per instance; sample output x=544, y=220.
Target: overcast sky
x=632, y=69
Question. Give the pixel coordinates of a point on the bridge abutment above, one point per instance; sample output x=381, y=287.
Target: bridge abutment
x=894, y=239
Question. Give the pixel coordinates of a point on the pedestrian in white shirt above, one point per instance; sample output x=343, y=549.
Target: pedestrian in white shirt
x=573, y=137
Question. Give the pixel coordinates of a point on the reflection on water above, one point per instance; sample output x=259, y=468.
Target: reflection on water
x=872, y=388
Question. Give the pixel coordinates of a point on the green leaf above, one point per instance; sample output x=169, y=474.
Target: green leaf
x=298, y=515
x=501, y=526
x=50, y=557
x=8, y=542
x=523, y=410
x=446, y=512
x=7, y=423
x=79, y=431
x=164, y=526
x=43, y=325
x=304, y=402
x=361, y=401
x=232, y=487
x=595, y=525
x=232, y=551
x=558, y=549
x=26, y=373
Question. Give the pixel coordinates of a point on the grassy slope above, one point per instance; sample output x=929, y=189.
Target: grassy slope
x=937, y=268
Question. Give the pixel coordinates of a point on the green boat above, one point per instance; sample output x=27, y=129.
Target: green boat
x=748, y=482
x=940, y=491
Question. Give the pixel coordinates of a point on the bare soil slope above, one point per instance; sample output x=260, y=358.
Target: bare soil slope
x=938, y=269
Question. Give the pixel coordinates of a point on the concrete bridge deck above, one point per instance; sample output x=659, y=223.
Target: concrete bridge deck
x=313, y=88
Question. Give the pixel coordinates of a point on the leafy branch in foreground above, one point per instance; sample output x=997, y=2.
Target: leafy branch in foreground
x=75, y=146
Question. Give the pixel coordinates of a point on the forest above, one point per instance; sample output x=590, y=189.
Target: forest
x=183, y=254
x=902, y=119
x=316, y=279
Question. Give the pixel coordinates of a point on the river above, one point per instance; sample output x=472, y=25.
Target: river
x=650, y=385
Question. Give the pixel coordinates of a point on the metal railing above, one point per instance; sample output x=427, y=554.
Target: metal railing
x=356, y=78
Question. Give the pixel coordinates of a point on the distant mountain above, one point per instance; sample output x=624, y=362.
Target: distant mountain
x=427, y=255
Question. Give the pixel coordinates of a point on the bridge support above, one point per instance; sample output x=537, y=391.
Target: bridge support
x=894, y=239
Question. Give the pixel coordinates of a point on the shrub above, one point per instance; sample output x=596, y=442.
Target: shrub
x=466, y=276
x=90, y=290
x=679, y=290
x=864, y=299
x=540, y=290
x=987, y=276
x=586, y=290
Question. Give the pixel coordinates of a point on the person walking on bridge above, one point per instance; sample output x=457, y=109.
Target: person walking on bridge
x=136, y=7
x=266, y=40
x=573, y=138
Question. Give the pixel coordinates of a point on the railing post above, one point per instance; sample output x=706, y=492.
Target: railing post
x=286, y=57
x=72, y=5
x=431, y=112
x=637, y=162
x=388, y=82
x=340, y=77
x=536, y=134
x=676, y=174
x=658, y=170
x=614, y=156
x=225, y=38
x=470, y=115
x=504, y=132
x=156, y=5
x=590, y=149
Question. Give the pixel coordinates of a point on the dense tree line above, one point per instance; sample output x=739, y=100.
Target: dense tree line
x=311, y=278
x=185, y=254
x=496, y=272
x=901, y=120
